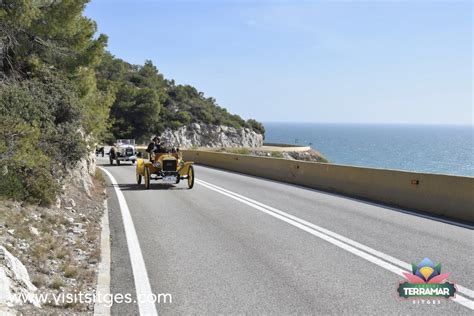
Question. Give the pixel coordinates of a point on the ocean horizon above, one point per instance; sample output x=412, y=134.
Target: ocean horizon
x=442, y=149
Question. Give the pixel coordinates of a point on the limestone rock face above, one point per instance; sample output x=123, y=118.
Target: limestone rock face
x=81, y=174
x=203, y=135
x=14, y=281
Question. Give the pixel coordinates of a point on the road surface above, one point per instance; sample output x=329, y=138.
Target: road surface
x=241, y=244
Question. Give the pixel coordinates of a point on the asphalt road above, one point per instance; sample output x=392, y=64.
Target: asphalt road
x=218, y=252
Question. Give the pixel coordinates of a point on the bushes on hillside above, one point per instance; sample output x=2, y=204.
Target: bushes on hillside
x=48, y=94
x=172, y=106
x=40, y=137
x=256, y=126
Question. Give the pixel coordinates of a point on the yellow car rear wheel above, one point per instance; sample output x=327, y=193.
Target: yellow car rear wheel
x=147, y=178
x=190, y=177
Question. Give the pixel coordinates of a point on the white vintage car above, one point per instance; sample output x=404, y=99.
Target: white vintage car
x=123, y=150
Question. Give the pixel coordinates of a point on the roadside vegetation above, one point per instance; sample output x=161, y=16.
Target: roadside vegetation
x=307, y=155
x=49, y=100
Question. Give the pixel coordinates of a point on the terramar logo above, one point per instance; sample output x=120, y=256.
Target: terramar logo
x=426, y=281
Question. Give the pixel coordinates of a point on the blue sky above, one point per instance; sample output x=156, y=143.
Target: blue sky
x=306, y=61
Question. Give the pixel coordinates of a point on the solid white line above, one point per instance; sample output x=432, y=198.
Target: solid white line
x=142, y=283
x=394, y=265
x=103, y=275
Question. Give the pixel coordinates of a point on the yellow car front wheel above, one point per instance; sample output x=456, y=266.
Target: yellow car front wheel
x=190, y=177
x=139, y=176
x=147, y=178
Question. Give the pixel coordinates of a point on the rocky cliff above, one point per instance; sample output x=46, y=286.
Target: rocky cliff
x=203, y=135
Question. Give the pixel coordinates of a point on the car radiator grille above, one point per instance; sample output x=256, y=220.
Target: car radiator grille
x=169, y=165
x=129, y=152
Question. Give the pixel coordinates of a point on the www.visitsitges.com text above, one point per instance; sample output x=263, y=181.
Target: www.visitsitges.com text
x=88, y=298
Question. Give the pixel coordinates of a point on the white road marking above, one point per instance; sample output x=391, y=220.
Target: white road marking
x=142, y=283
x=103, y=275
x=402, y=264
x=392, y=264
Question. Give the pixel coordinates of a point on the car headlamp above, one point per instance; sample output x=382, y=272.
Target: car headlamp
x=181, y=163
x=156, y=164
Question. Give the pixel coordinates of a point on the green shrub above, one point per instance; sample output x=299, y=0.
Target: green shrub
x=33, y=185
x=184, y=117
x=276, y=154
x=256, y=126
x=240, y=151
x=11, y=185
x=39, y=137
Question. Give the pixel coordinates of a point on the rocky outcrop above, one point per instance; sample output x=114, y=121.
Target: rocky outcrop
x=14, y=281
x=81, y=174
x=80, y=177
x=203, y=135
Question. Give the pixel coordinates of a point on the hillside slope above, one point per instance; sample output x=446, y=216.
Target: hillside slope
x=146, y=103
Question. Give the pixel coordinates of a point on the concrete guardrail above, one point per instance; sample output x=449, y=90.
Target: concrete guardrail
x=443, y=195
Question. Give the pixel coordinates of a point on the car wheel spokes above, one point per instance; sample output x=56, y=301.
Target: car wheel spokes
x=190, y=177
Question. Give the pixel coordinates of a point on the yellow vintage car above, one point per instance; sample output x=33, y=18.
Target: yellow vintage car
x=167, y=166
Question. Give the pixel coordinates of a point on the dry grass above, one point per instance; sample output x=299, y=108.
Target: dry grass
x=39, y=280
x=62, y=253
x=70, y=271
x=80, y=244
x=240, y=151
x=39, y=253
x=56, y=283
x=95, y=254
x=99, y=176
x=87, y=276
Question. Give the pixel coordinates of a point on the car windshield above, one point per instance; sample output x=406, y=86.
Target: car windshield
x=125, y=142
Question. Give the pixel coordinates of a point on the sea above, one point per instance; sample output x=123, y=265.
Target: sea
x=442, y=149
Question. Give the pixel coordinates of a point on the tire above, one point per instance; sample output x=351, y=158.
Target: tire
x=111, y=160
x=139, y=177
x=190, y=177
x=147, y=178
x=118, y=162
x=133, y=162
x=177, y=179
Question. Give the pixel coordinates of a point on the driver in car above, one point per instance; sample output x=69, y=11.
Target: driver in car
x=155, y=146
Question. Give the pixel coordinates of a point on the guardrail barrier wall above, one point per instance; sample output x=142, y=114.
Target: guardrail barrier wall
x=443, y=195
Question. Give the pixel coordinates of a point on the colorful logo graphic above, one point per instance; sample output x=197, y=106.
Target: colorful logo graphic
x=426, y=281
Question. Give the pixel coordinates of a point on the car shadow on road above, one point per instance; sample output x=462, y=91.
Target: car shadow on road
x=153, y=186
